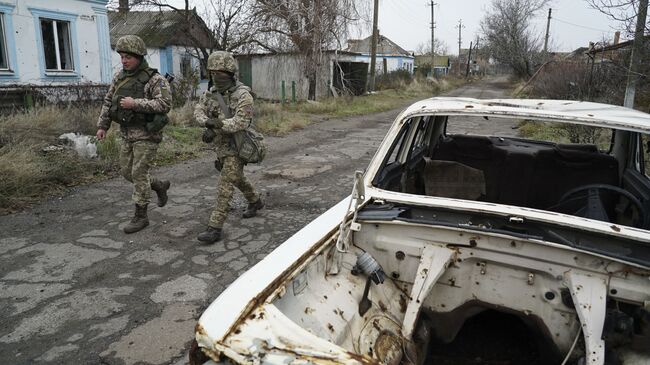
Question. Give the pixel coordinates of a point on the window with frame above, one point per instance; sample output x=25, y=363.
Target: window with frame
x=57, y=45
x=186, y=65
x=4, y=59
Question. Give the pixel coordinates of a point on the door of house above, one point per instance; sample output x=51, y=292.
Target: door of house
x=245, y=71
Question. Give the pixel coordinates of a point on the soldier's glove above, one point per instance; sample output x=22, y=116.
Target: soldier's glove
x=208, y=135
x=214, y=123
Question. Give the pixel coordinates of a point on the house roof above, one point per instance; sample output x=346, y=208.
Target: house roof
x=616, y=46
x=160, y=28
x=384, y=46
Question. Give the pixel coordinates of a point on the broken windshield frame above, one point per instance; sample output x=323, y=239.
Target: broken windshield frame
x=614, y=246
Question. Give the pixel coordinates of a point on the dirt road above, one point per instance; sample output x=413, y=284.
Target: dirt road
x=74, y=289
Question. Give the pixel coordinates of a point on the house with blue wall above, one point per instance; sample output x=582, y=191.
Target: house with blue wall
x=390, y=57
x=172, y=38
x=45, y=42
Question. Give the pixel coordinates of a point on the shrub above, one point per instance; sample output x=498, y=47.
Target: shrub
x=393, y=80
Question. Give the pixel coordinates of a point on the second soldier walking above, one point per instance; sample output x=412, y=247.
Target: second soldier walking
x=221, y=125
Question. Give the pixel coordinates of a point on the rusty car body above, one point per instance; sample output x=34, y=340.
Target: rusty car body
x=462, y=245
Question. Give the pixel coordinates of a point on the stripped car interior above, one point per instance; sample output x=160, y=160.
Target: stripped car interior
x=462, y=245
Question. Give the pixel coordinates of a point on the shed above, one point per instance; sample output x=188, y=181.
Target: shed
x=269, y=74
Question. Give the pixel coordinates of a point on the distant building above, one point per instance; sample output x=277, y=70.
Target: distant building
x=170, y=36
x=441, y=64
x=390, y=57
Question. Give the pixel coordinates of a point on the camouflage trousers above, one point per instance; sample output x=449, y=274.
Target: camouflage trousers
x=232, y=174
x=135, y=160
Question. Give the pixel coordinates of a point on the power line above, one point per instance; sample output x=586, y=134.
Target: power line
x=581, y=26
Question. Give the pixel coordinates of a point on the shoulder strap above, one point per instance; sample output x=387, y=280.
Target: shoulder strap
x=222, y=104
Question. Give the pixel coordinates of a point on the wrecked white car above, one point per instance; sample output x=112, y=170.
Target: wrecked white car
x=482, y=232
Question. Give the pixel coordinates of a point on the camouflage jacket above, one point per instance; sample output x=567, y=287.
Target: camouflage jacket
x=158, y=99
x=240, y=102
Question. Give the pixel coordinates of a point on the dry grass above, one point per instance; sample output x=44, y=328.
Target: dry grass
x=27, y=174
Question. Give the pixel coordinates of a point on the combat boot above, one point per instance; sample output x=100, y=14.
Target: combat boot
x=252, y=208
x=160, y=187
x=139, y=220
x=210, y=235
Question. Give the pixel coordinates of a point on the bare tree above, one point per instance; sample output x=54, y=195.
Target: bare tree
x=425, y=47
x=508, y=36
x=625, y=11
x=307, y=27
x=231, y=23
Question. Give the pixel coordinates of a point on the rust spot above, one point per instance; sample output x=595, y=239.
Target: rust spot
x=382, y=306
x=309, y=310
x=261, y=315
x=591, y=115
x=252, y=316
x=472, y=242
x=330, y=327
x=402, y=303
x=199, y=329
x=325, y=296
x=469, y=106
x=615, y=228
x=375, y=324
x=237, y=331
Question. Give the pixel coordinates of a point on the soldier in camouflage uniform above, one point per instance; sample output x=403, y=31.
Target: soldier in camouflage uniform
x=219, y=129
x=138, y=99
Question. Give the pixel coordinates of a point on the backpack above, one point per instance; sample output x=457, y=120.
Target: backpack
x=249, y=145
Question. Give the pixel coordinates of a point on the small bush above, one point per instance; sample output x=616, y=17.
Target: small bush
x=184, y=88
x=183, y=116
x=393, y=80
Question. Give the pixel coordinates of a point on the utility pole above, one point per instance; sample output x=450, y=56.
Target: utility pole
x=373, y=47
x=548, y=26
x=460, y=27
x=433, y=39
x=469, y=59
x=637, y=46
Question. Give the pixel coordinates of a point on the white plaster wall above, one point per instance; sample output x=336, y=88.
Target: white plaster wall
x=87, y=40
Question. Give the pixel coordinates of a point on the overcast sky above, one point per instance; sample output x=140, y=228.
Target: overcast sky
x=407, y=22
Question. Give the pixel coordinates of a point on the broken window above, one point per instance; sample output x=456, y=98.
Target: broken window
x=4, y=61
x=57, y=45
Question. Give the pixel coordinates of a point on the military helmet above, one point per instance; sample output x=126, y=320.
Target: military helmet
x=131, y=44
x=222, y=61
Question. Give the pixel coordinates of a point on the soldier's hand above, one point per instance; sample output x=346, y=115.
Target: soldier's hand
x=101, y=134
x=208, y=135
x=214, y=123
x=127, y=102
